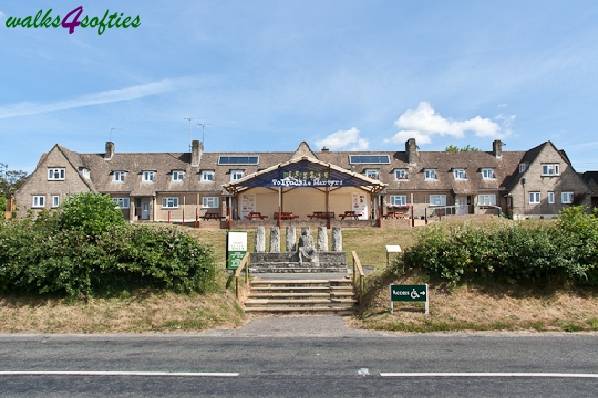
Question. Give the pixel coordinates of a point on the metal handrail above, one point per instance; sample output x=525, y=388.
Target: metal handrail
x=357, y=265
x=243, y=266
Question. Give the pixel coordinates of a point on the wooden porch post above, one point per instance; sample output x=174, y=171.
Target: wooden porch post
x=279, y=206
x=327, y=206
x=412, y=213
x=380, y=209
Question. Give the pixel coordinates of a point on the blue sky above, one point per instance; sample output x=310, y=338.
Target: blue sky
x=264, y=75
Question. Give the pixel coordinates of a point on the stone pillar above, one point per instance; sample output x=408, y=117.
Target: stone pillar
x=337, y=239
x=322, y=239
x=274, y=240
x=305, y=238
x=291, y=238
x=260, y=240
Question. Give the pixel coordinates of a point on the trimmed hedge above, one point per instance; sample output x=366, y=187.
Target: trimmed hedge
x=51, y=256
x=562, y=252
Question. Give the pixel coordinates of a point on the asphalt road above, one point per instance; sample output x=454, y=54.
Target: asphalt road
x=301, y=366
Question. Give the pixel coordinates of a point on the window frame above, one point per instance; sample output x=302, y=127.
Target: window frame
x=484, y=172
x=122, y=202
x=178, y=175
x=405, y=173
x=247, y=163
x=570, y=194
x=205, y=202
x=458, y=171
x=549, y=195
x=432, y=171
x=375, y=171
x=554, y=166
x=522, y=167
x=437, y=196
x=382, y=159
x=535, y=193
x=393, y=197
x=40, y=205
x=174, y=202
x=52, y=199
x=61, y=173
x=486, y=203
x=120, y=173
x=207, y=172
x=145, y=173
x=234, y=172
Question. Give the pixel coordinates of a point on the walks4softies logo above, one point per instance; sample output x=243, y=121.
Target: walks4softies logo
x=75, y=19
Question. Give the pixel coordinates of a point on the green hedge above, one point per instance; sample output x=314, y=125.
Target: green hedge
x=565, y=251
x=56, y=255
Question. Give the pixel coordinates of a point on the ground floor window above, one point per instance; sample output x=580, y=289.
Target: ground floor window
x=123, y=203
x=437, y=200
x=170, y=203
x=486, y=200
x=567, y=197
x=398, y=200
x=38, y=202
x=534, y=198
x=55, y=201
x=551, y=197
x=210, y=202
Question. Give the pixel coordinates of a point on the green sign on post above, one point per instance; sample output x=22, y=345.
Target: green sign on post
x=409, y=294
x=236, y=248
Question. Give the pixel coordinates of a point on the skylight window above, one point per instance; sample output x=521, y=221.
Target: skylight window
x=369, y=159
x=239, y=160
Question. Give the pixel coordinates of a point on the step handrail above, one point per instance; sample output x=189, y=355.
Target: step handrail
x=357, y=267
x=243, y=267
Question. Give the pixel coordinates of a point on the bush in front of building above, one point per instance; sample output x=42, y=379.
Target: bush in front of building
x=90, y=213
x=55, y=255
x=554, y=253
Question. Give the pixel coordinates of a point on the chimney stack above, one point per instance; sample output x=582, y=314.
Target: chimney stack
x=497, y=148
x=411, y=149
x=109, y=150
x=196, y=152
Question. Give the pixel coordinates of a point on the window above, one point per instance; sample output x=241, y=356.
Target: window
x=437, y=200
x=567, y=197
x=372, y=173
x=178, y=175
x=207, y=175
x=459, y=174
x=55, y=201
x=123, y=203
x=84, y=172
x=236, y=174
x=210, y=202
x=170, y=203
x=486, y=200
x=430, y=174
x=522, y=167
x=119, y=176
x=551, y=197
x=238, y=160
x=56, y=174
x=38, y=202
x=488, y=173
x=550, y=170
x=149, y=175
x=401, y=174
x=369, y=159
x=534, y=198
x=398, y=200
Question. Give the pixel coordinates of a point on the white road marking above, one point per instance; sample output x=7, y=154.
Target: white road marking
x=553, y=375
x=110, y=373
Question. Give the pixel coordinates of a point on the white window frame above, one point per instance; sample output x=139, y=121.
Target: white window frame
x=205, y=173
x=372, y=173
x=486, y=200
x=441, y=203
x=551, y=170
x=551, y=197
x=459, y=174
x=488, y=173
x=401, y=174
x=567, y=197
x=536, y=197
x=178, y=175
x=122, y=203
x=430, y=175
x=522, y=167
x=38, y=202
x=55, y=201
x=236, y=174
x=398, y=200
x=149, y=175
x=52, y=171
x=119, y=176
x=85, y=173
x=210, y=202
x=170, y=202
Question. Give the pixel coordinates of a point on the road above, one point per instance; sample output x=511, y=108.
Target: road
x=339, y=364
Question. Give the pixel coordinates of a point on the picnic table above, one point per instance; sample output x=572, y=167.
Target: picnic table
x=255, y=215
x=322, y=215
x=285, y=215
x=350, y=214
x=396, y=214
x=212, y=216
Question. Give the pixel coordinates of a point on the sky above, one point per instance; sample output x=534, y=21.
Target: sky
x=264, y=75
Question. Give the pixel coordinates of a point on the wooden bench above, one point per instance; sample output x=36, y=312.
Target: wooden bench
x=212, y=216
x=350, y=214
x=285, y=215
x=255, y=215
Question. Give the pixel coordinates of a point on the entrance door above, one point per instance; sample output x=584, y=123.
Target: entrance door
x=145, y=210
x=360, y=206
x=460, y=205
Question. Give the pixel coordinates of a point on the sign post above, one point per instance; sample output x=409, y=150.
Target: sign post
x=410, y=294
x=236, y=248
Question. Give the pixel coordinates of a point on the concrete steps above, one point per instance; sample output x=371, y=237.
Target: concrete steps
x=294, y=267
x=301, y=295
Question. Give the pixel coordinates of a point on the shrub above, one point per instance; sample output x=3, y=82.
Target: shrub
x=3, y=203
x=91, y=213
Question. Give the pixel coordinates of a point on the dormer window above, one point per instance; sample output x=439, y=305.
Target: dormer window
x=459, y=174
x=84, y=172
x=119, y=176
x=178, y=175
x=149, y=175
x=488, y=173
x=401, y=174
x=56, y=174
x=207, y=175
x=550, y=170
x=236, y=174
x=372, y=173
x=430, y=174
x=522, y=167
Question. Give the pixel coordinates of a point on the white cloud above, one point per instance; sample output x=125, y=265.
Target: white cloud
x=422, y=123
x=344, y=140
x=103, y=97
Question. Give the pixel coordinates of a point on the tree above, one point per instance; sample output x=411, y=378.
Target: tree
x=10, y=180
x=92, y=213
x=456, y=149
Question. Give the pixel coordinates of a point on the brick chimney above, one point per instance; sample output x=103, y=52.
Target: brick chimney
x=497, y=148
x=109, y=150
x=411, y=150
x=196, y=152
